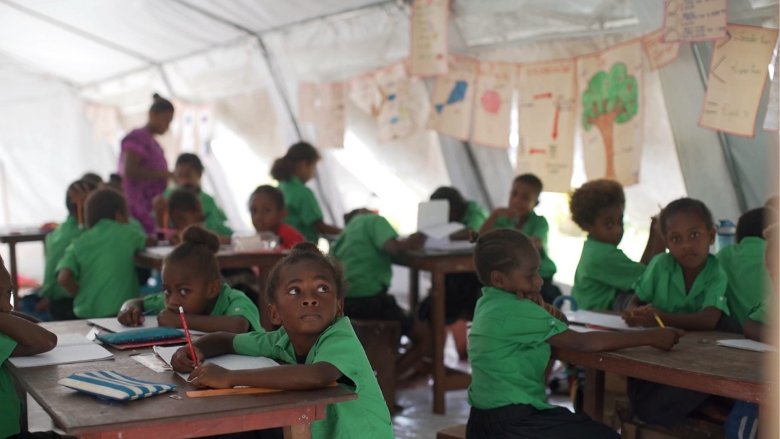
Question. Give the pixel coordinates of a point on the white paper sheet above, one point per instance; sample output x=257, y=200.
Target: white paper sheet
x=230, y=361
x=71, y=348
x=749, y=345
x=447, y=245
x=113, y=325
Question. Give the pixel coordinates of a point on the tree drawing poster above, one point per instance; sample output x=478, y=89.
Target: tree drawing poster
x=493, y=104
x=659, y=52
x=453, y=99
x=610, y=90
x=398, y=111
x=428, y=52
x=547, y=96
x=738, y=71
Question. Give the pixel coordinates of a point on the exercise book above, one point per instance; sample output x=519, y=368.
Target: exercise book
x=229, y=361
x=71, y=348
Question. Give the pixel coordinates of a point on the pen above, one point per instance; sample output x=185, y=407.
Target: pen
x=187, y=336
x=660, y=322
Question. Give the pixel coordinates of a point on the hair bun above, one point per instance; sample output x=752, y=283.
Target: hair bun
x=197, y=235
x=156, y=96
x=305, y=247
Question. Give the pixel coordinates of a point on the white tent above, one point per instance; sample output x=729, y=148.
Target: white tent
x=78, y=73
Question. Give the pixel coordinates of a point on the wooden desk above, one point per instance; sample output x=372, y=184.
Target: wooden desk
x=695, y=363
x=13, y=237
x=439, y=264
x=168, y=415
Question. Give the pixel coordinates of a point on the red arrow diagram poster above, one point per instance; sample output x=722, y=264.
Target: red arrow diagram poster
x=610, y=112
x=493, y=104
x=546, y=97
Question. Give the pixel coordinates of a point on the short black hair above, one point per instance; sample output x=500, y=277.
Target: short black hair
x=83, y=184
x=184, y=199
x=531, y=180
x=104, y=203
x=458, y=204
x=592, y=197
x=302, y=252
x=501, y=250
x=276, y=195
x=752, y=223
x=160, y=105
x=191, y=160
x=92, y=178
x=283, y=167
x=685, y=205
x=198, y=249
x=349, y=216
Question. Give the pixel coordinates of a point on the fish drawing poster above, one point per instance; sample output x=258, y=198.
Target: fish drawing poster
x=493, y=104
x=453, y=98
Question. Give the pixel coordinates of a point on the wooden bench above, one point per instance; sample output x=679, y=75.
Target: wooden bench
x=380, y=340
x=452, y=432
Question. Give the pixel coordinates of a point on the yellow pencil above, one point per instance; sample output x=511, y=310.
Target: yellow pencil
x=660, y=322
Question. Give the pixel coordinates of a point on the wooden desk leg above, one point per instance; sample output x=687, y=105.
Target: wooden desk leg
x=594, y=394
x=439, y=337
x=14, y=273
x=414, y=290
x=298, y=431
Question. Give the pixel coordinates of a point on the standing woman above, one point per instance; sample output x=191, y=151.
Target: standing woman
x=142, y=163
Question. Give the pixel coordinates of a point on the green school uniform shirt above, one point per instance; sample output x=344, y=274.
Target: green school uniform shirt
x=367, y=267
x=663, y=286
x=759, y=312
x=56, y=243
x=748, y=280
x=508, y=351
x=603, y=271
x=10, y=406
x=303, y=210
x=535, y=227
x=214, y=217
x=230, y=302
x=474, y=217
x=102, y=260
x=366, y=417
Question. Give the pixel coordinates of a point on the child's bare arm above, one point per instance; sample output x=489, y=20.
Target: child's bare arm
x=661, y=338
x=31, y=338
x=415, y=241
x=132, y=312
x=66, y=280
x=655, y=242
x=753, y=330
x=232, y=324
x=287, y=377
x=491, y=220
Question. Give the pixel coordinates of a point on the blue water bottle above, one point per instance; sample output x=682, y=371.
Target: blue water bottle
x=727, y=232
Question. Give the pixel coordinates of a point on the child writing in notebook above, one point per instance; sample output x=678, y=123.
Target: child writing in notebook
x=98, y=268
x=685, y=289
x=510, y=347
x=292, y=171
x=519, y=214
x=266, y=205
x=605, y=275
x=191, y=279
x=318, y=345
x=19, y=336
x=185, y=210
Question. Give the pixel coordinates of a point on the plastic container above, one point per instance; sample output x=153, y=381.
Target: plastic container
x=255, y=241
x=727, y=234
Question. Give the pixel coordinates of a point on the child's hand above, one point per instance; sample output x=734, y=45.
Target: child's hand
x=211, y=375
x=182, y=361
x=132, y=316
x=555, y=312
x=641, y=316
x=507, y=212
x=416, y=240
x=169, y=318
x=665, y=338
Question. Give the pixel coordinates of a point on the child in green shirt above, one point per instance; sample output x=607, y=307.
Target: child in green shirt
x=605, y=275
x=318, y=345
x=510, y=344
x=98, y=268
x=185, y=210
x=191, y=279
x=292, y=171
x=19, y=336
x=519, y=214
x=365, y=249
x=758, y=317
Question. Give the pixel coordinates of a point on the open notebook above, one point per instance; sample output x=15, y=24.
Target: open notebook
x=230, y=361
x=71, y=348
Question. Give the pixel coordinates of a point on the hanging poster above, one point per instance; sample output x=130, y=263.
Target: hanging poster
x=453, y=99
x=694, y=20
x=547, y=96
x=307, y=94
x=610, y=88
x=738, y=71
x=364, y=93
x=771, y=122
x=493, y=104
x=398, y=113
x=323, y=106
x=659, y=52
x=428, y=52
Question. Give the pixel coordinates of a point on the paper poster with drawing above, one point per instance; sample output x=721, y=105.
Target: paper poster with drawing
x=307, y=94
x=738, y=71
x=610, y=90
x=364, y=93
x=402, y=102
x=660, y=53
x=323, y=105
x=453, y=98
x=428, y=51
x=493, y=104
x=694, y=20
x=547, y=96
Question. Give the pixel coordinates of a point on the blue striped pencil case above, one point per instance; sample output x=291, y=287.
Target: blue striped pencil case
x=109, y=384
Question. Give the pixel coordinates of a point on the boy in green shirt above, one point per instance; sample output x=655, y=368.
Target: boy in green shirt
x=510, y=344
x=316, y=342
x=185, y=210
x=19, y=336
x=519, y=214
x=98, y=268
x=605, y=275
x=364, y=249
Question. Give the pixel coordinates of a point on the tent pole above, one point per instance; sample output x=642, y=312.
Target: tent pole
x=469, y=148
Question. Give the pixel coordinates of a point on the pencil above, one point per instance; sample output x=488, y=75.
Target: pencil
x=187, y=336
x=660, y=322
